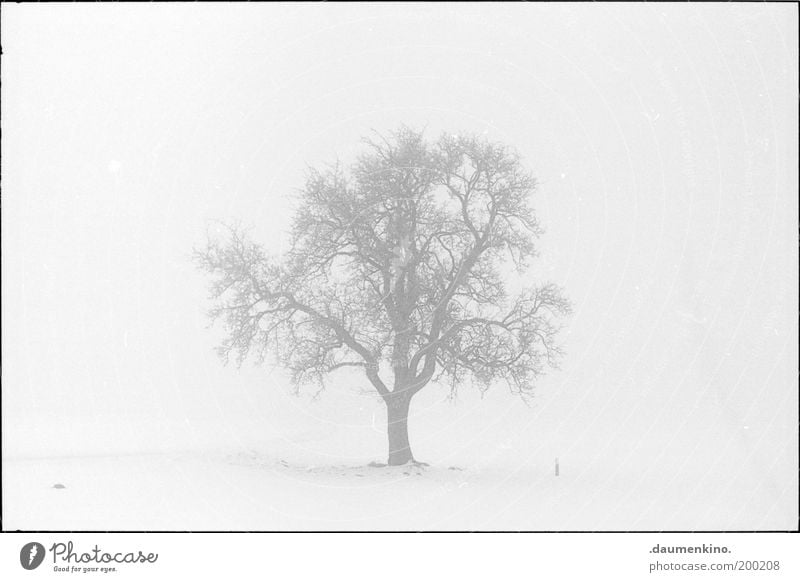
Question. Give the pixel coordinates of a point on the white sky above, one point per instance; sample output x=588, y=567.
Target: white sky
x=664, y=138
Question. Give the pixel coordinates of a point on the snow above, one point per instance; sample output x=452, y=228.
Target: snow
x=253, y=491
x=499, y=477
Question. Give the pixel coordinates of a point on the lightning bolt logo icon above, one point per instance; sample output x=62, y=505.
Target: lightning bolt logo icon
x=31, y=555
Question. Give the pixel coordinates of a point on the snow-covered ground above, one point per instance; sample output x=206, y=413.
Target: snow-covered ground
x=491, y=468
x=254, y=491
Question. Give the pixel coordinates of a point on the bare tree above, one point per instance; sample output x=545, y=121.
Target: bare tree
x=395, y=268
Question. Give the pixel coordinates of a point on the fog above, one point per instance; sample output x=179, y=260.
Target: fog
x=664, y=140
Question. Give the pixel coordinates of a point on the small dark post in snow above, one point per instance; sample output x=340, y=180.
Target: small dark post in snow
x=556, y=466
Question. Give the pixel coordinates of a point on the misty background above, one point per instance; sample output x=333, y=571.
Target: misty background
x=664, y=140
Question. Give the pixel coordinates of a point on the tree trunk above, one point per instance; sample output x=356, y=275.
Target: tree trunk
x=397, y=414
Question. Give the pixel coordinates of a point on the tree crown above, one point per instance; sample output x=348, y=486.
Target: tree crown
x=396, y=264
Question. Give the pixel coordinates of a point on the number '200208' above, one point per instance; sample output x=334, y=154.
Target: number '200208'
x=758, y=565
